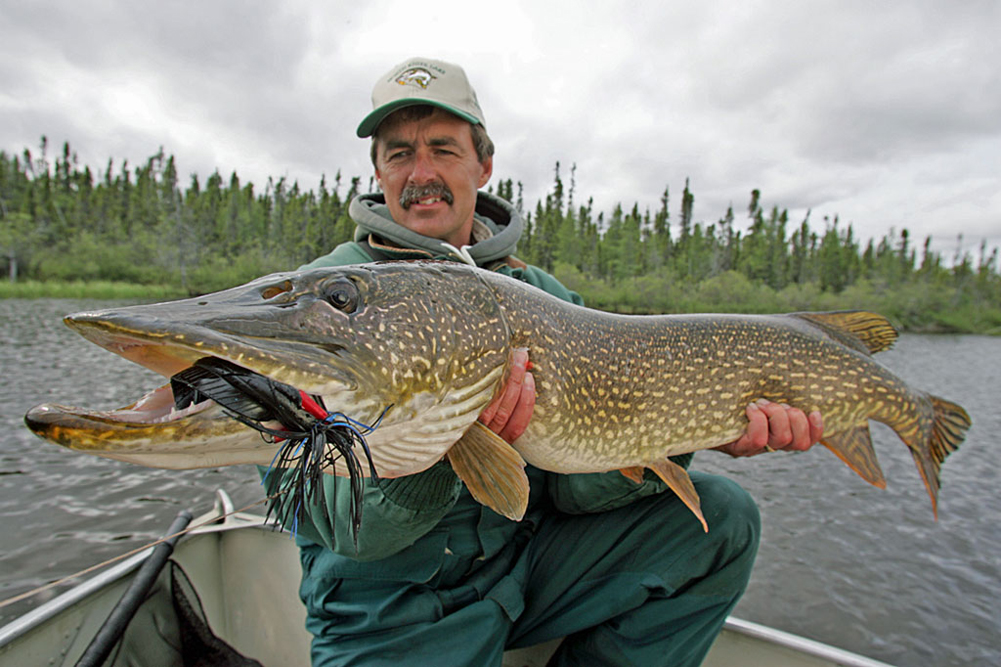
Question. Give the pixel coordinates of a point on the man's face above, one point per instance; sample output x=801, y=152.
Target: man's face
x=429, y=172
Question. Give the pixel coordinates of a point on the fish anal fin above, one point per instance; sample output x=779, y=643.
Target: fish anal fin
x=852, y=327
x=678, y=480
x=854, y=447
x=492, y=470
x=635, y=473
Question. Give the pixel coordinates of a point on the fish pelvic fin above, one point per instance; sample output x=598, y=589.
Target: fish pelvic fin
x=859, y=329
x=634, y=473
x=678, y=480
x=492, y=470
x=854, y=447
x=949, y=428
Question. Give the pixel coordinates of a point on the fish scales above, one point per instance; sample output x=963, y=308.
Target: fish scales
x=644, y=387
x=432, y=343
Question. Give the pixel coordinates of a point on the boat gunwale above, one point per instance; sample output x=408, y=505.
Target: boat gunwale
x=220, y=519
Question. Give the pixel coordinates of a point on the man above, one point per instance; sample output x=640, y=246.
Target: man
x=621, y=569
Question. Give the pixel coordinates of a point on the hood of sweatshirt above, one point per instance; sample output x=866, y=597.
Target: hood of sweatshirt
x=370, y=213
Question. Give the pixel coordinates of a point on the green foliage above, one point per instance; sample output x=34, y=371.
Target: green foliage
x=64, y=226
x=80, y=289
x=641, y=268
x=135, y=225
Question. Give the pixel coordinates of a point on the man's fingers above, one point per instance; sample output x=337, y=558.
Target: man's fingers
x=522, y=413
x=772, y=426
x=816, y=426
x=779, y=432
x=505, y=406
x=509, y=413
x=800, y=427
x=500, y=409
x=756, y=435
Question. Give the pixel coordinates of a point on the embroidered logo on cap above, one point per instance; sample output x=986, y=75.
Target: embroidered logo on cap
x=416, y=76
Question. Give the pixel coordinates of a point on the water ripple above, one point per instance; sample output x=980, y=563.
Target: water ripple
x=842, y=562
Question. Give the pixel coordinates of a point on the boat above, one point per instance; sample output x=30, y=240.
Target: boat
x=230, y=584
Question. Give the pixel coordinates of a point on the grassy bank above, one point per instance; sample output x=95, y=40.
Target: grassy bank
x=87, y=289
x=914, y=308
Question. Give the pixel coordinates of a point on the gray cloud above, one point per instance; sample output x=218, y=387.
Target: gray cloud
x=889, y=115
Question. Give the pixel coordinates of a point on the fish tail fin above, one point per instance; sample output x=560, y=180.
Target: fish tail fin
x=949, y=426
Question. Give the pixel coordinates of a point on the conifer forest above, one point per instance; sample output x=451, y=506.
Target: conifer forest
x=61, y=224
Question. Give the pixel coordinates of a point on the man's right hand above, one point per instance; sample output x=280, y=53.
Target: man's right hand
x=509, y=413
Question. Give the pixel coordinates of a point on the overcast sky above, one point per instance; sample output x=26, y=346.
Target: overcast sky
x=887, y=114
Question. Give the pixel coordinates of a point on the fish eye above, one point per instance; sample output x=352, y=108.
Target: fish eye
x=343, y=296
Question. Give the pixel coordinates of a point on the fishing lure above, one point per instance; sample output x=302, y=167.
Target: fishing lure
x=307, y=430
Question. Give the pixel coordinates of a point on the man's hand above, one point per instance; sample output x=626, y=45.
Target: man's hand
x=773, y=426
x=509, y=413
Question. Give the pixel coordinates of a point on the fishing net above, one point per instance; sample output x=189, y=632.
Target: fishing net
x=171, y=629
x=200, y=647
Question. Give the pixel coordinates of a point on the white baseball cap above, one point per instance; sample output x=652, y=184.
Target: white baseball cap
x=422, y=81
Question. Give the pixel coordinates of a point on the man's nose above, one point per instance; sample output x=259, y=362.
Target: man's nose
x=423, y=171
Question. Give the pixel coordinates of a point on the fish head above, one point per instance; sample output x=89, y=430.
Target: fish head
x=423, y=343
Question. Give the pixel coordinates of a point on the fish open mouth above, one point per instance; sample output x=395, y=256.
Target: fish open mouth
x=307, y=438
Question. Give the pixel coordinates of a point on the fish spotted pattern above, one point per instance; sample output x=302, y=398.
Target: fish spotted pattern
x=433, y=341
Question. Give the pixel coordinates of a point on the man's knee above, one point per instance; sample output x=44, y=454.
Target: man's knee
x=730, y=511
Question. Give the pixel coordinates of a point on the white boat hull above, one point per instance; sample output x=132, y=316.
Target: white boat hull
x=247, y=578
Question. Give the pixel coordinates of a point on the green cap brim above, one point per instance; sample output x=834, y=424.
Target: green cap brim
x=371, y=121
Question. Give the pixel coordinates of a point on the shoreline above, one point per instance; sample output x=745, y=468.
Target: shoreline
x=932, y=322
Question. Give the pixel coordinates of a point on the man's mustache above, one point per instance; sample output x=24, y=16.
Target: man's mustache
x=415, y=193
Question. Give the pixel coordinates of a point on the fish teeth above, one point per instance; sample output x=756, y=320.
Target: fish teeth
x=174, y=414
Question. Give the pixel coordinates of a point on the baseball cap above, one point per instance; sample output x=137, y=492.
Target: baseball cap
x=422, y=81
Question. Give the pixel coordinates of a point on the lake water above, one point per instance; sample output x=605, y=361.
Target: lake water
x=865, y=569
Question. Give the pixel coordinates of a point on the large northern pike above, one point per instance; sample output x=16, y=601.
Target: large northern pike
x=432, y=342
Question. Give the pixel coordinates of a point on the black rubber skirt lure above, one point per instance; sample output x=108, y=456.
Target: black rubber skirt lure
x=311, y=439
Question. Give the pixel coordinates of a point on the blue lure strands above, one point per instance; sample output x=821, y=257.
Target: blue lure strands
x=301, y=460
x=308, y=445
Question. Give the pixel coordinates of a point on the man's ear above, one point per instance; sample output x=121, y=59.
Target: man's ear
x=488, y=170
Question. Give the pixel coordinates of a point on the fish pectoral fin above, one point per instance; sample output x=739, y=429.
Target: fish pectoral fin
x=678, y=480
x=854, y=447
x=492, y=470
x=635, y=473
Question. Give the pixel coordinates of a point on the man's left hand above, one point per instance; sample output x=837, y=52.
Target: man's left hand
x=775, y=426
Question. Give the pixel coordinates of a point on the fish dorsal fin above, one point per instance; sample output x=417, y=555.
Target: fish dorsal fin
x=854, y=447
x=874, y=332
x=635, y=473
x=492, y=470
x=677, y=478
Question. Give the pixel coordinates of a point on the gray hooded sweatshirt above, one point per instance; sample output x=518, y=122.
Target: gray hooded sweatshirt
x=370, y=213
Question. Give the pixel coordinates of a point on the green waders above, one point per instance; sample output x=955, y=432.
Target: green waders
x=639, y=585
